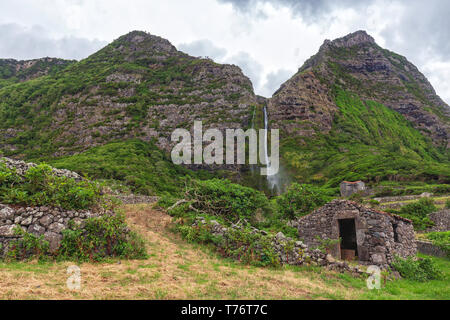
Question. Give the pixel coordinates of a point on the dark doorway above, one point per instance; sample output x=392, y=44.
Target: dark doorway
x=347, y=233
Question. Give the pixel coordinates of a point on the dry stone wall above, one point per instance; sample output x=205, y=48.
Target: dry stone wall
x=40, y=221
x=22, y=167
x=289, y=251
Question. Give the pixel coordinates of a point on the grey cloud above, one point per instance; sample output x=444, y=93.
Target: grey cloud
x=423, y=26
x=310, y=10
x=275, y=80
x=203, y=48
x=251, y=68
x=19, y=42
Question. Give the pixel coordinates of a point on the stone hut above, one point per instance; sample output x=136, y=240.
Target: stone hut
x=349, y=188
x=370, y=236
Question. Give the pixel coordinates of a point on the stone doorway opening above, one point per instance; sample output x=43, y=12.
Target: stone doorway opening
x=347, y=233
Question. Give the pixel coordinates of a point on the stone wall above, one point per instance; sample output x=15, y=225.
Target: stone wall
x=22, y=167
x=428, y=248
x=136, y=199
x=46, y=221
x=441, y=220
x=289, y=251
x=374, y=231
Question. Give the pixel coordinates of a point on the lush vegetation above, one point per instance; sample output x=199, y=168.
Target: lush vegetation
x=300, y=200
x=40, y=186
x=418, y=212
x=368, y=142
x=417, y=269
x=230, y=201
x=46, y=107
x=138, y=165
x=99, y=238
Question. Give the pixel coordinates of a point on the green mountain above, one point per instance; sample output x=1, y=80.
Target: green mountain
x=139, y=86
x=356, y=111
x=353, y=111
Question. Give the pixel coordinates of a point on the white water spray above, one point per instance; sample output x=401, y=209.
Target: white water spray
x=273, y=181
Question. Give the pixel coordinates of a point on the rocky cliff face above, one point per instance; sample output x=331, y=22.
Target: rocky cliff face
x=138, y=86
x=357, y=64
x=355, y=111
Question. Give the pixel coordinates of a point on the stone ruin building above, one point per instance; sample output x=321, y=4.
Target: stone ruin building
x=367, y=235
x=349, y=188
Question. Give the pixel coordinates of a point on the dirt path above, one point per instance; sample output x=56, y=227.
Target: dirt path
x=174, y=270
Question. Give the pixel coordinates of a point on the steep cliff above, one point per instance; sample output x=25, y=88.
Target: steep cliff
x=358, y=111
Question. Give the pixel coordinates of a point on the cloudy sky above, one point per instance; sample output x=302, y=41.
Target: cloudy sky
x=268, y=39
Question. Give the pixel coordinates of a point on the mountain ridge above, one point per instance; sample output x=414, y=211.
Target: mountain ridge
x=350, y=107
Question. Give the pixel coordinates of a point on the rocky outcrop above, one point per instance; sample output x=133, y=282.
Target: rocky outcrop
x=301, y=106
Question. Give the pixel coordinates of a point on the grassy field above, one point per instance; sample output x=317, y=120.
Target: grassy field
x=178, y=270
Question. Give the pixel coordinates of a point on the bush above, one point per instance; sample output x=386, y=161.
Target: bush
x=106, y=236
x=418, y=212
x=300, y=200
x=447, y=204
x=29, y=246
x=39, y=187
x=243, y=245
x=421, y=208
x=419, y=269
x=225, y=199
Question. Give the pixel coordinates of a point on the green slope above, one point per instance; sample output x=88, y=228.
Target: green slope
x=139, y=166
x=369, y=142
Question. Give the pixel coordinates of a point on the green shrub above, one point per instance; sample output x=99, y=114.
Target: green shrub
x=417, y=269
x=105, y=236
x=225, y=199
x=300, y=200
x=418, y=212
x=39, y=187
x=243, y=245
x=27, y=247
x=421, y=208
x=447, y=204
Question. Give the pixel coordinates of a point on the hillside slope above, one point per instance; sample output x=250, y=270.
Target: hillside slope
x=357, y=111
x=138, y=86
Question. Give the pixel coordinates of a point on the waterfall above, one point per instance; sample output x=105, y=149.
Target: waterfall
x=273, y=181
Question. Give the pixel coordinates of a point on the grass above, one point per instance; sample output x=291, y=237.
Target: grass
x=178, y=270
